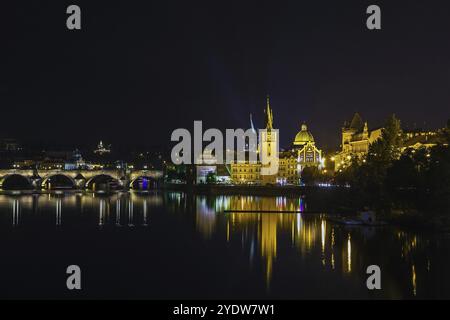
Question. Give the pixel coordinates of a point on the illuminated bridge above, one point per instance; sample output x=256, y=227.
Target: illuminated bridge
x=78, y=179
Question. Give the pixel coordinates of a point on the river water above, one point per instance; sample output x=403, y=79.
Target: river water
x=176, y=246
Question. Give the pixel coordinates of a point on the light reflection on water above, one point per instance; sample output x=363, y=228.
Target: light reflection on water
x=308, y=232
x=280, y=247
x=122, y=206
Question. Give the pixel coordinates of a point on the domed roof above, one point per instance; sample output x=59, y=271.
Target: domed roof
x=303, y=137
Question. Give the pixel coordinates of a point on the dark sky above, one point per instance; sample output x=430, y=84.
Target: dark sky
x=138, y=70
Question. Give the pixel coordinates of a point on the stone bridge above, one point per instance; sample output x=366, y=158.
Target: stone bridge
x=79, y=178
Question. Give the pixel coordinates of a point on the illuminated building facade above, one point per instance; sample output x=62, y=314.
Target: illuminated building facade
x=289, y=168
x=305, y=147
x=247, y=172
x=356, y=138
x=291, y=162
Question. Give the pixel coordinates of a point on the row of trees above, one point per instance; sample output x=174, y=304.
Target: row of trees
x=412, y=180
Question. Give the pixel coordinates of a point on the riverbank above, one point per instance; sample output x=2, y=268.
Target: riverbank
x=255, y=190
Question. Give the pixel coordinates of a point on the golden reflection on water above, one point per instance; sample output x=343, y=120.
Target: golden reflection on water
x=310, y=235
x=327, y=245
x=349, y=254
x=332, y=248
x=410, y=246
x=267, y=227
x=322, y=232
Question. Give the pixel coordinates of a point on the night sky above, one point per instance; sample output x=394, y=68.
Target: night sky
x=138, y=70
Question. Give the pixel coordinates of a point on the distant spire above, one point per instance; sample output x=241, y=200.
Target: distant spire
x=365, y=130
x=269, y=124
x=251, y=123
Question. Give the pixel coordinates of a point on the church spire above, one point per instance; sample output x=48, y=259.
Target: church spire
x=251, y=123
x=269, y=116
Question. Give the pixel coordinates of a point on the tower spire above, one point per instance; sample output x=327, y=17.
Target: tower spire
x=269, y=124
x=251, y=123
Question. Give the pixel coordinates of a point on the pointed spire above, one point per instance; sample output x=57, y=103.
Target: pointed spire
x=251, y=123
x=269, y=124
x=365, y=130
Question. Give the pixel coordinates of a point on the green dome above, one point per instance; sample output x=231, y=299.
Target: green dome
x=303, y=137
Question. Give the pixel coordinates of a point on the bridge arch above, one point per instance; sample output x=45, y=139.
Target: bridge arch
x=143, y=182
x=58, y=181
x=15, y=181
x=102, y=181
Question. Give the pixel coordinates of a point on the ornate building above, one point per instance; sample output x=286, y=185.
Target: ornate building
x=246, y=172
x=302, y=153
x=289, y=169
x=305, y=147
x=356, y=138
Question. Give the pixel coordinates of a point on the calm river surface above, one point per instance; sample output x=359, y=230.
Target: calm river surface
x=170, y=245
